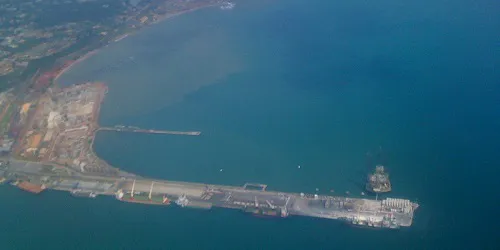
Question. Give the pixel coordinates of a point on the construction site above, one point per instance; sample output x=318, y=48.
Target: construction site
x=61, y=129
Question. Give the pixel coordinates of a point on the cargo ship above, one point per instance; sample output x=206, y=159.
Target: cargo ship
x=82, y=193
x=30, y=187
x=263, y=212
x=385, y=222
x=183, y=201
x=143, y=198
x=378, y=182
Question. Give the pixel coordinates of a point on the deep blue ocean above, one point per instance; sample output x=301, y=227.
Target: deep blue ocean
x=333, y=86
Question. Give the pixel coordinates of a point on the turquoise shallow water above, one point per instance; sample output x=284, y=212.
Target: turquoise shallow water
x=275, y=84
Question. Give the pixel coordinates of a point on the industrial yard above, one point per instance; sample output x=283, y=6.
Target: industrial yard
x=61, y=129
x=61, y=126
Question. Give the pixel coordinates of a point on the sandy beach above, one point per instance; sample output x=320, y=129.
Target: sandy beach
x=81, y=59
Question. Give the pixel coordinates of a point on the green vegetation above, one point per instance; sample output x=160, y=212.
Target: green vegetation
x=50, y=14
x=7, y=81
x=25, y=25
x=4, y=123
x=27, y=44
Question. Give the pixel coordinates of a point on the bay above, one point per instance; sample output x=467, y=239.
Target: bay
x=333, y=86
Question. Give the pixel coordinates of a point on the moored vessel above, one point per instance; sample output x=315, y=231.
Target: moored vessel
x=376, y=222
x=378, y=181
x=30, y=187
x=82, y=193
x=263, y=212
x=143, y=198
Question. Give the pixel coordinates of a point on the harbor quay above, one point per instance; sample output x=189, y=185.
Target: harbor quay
x=121, y=128
x=54, y=150
x=252, y=198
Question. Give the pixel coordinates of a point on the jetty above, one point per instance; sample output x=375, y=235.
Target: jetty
x=131, y=129
x=253, y=198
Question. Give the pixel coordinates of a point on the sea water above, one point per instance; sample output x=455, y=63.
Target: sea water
x=333, y=86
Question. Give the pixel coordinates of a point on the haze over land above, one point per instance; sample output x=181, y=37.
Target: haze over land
x=182, y=64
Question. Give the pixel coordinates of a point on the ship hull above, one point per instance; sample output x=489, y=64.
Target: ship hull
x=349, y=224
x=262, y=213
x=380, y=191
x=147, y=202
x=30, y=187
x=83, y=194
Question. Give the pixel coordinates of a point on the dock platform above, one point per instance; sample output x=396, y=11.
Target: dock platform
x=386, y=213
x=253, y=198
x=148, y=131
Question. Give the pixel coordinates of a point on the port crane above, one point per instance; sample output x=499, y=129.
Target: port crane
x=132, y=193
x=151, y=189
x=270, y=204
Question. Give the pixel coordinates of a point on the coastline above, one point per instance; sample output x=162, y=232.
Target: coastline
x=168, y=16
x=94, y=52
x=79, y=60
x=126, y=35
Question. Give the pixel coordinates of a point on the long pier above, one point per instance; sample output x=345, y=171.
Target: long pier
x=148, y=131
x=252, y=197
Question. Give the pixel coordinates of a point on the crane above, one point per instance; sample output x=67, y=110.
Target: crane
x=270, y=205
x=132, y=193
x=151, y=189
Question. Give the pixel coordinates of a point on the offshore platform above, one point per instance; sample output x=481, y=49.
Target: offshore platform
x=378, y=181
